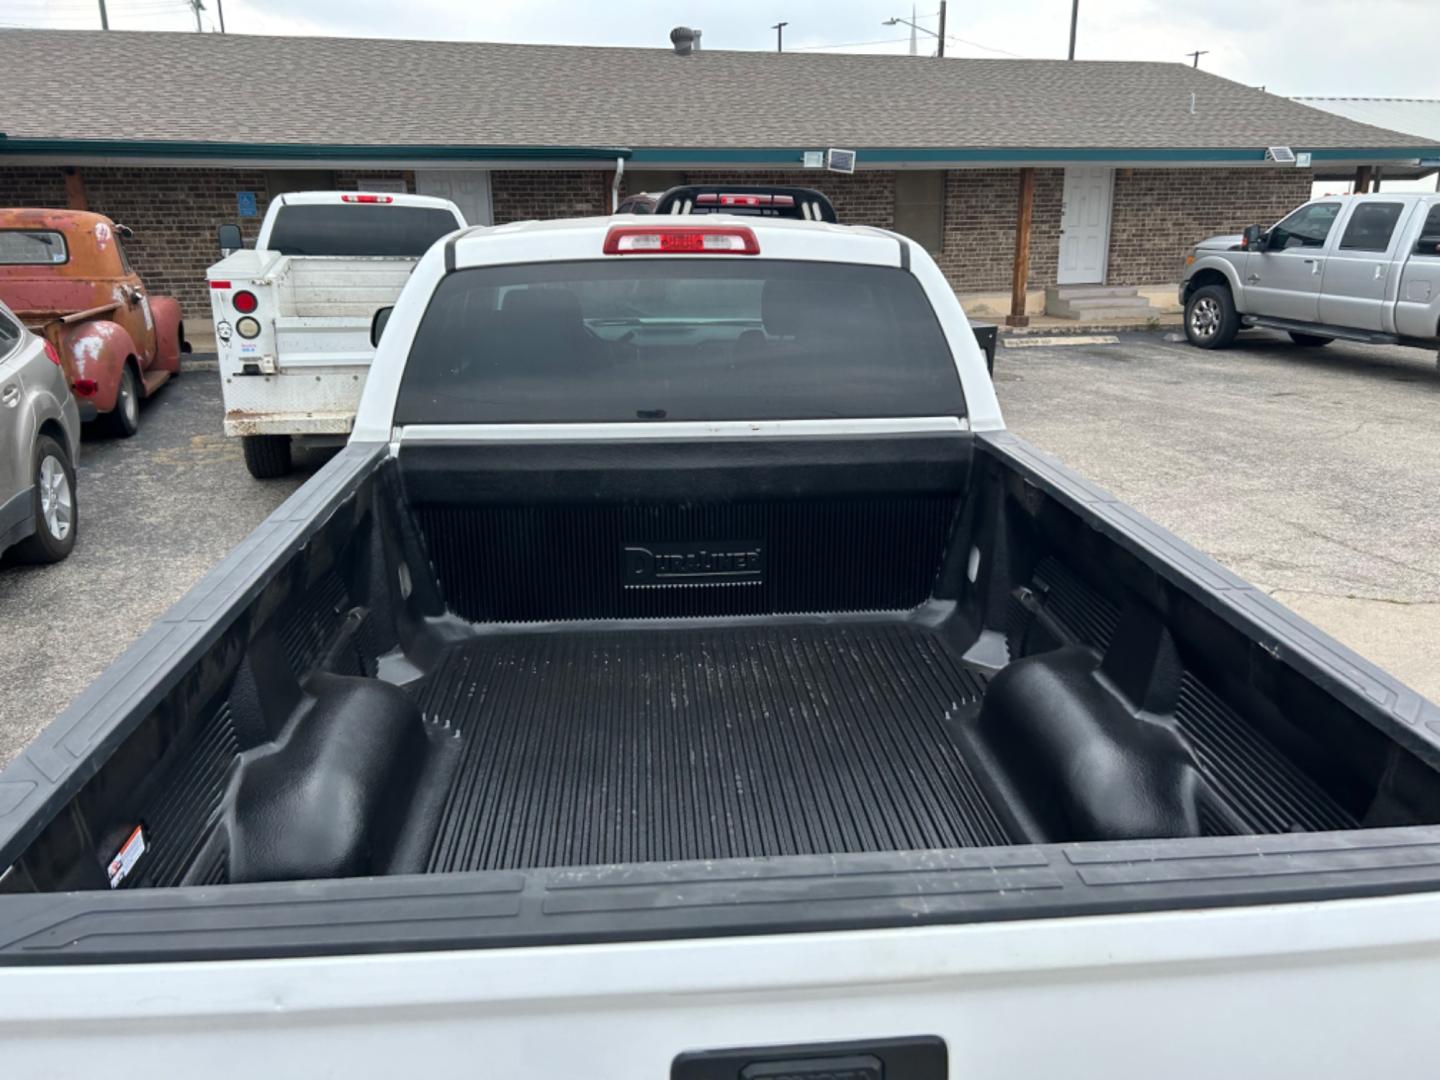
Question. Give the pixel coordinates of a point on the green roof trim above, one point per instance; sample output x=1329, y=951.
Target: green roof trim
x=937, y=156
x=303, y=151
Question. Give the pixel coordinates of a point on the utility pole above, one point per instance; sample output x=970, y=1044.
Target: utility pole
x=198, y=7
x=220, y=10
x=940, y=49
x=1074, y=19
x=1195, y=56
x=104, y=18
x=779, y=29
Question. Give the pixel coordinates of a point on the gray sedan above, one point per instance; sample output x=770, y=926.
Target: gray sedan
x=39, y=446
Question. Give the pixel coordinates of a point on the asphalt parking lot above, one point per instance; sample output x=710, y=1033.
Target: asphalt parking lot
x=1312, y=472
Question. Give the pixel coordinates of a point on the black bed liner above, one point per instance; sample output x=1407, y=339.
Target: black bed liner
x=704, y=743
x=171, y=672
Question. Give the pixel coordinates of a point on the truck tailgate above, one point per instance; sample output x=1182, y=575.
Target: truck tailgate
x=1233, y=992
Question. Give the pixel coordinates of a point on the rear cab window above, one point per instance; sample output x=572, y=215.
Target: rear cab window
x=681, y=339
x=359, y=230
x=32, y=247
x=1370, y=226
x=1429, y=242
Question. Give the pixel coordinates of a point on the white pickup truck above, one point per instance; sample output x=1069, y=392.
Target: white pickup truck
x=682, y=673
x=292, y=317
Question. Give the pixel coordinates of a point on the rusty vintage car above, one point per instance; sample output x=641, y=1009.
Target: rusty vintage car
x=66, y=275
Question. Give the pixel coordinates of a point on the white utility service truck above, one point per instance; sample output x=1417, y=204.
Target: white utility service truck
x=292, y=317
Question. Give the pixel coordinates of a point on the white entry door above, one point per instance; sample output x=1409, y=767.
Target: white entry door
x=468, y=189
x=1085, y=226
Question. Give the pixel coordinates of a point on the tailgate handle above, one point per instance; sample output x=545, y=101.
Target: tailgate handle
x=919, y=1057
x=855, y=1067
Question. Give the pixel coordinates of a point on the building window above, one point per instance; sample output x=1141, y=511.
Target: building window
x=920, y=208
x=653, y=181
x=284, y=181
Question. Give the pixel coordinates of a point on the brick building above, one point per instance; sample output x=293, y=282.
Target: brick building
x=1123, y=165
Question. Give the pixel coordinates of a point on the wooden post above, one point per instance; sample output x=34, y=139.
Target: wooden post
x=1017, y=316
x=75, y=189
x=1362, y=179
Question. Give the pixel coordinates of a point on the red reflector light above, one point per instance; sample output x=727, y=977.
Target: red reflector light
x=744, y=200
x=368, y=198
x=244, y=302
x=52, y=354
x=681, y=240
x=86, y=387
x=708, y=199
x=219, y=284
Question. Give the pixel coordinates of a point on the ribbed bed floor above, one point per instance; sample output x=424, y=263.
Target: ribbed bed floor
x=634, y=746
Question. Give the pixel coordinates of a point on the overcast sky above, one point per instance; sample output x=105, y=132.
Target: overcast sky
x=1335, y=47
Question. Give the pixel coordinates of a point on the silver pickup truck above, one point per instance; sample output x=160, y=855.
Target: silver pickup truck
x=1357, y=267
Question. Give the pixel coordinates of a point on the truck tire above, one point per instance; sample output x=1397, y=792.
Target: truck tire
x=1211, y=321
x=56, y=511
x=124, y=420
x=1309, y=341
x=267, y=456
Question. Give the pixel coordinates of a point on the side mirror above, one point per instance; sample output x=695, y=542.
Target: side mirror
x=230, y=239
x=1254, y=238
x=1428, y=245
x=377, y=324
x=124, y=231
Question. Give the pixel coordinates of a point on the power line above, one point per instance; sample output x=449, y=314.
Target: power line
x=848, y=44
x=987, y=48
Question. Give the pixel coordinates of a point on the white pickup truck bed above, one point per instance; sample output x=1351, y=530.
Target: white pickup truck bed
x=318, y=341
x=297, y=367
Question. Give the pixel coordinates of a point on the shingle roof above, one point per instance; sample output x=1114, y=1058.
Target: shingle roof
x=211, y=88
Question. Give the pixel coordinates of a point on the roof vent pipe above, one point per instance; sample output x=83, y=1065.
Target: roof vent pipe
x=685, y=40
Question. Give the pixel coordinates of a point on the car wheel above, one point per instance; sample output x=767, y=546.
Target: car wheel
x=56, y=512
x=267, y=456
x=1309, y=341
x=1211, y=321
x=124, y=419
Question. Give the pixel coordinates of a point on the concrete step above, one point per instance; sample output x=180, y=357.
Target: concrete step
x=1108, y=314
x=1096, y=307
x=1084, y=303
x=1081, y=292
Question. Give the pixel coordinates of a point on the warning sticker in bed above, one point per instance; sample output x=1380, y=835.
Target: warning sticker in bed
x=126, y=858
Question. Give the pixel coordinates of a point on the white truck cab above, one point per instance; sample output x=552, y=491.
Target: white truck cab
x=292, y=316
